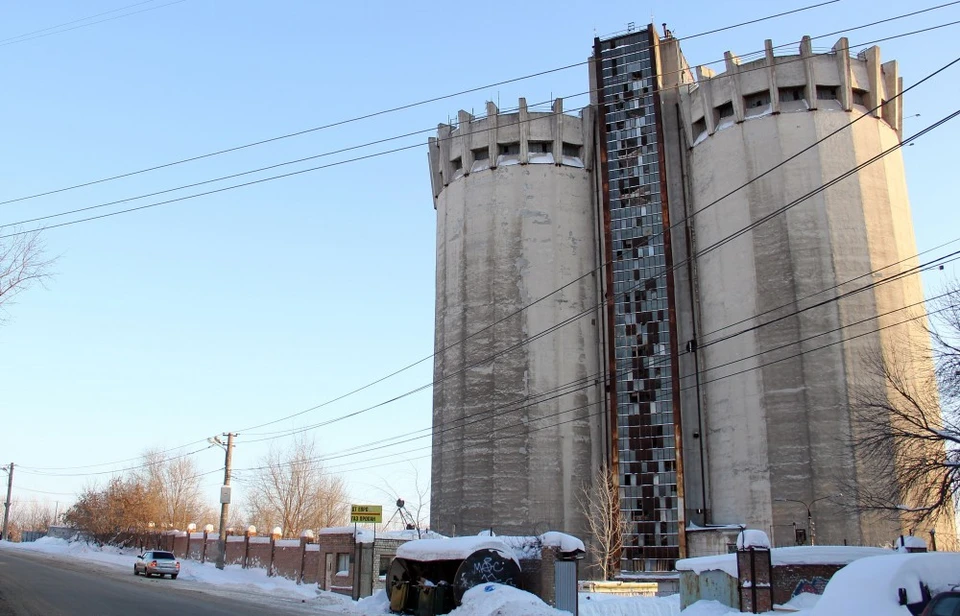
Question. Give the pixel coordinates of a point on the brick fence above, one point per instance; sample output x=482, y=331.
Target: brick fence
x=338, y=560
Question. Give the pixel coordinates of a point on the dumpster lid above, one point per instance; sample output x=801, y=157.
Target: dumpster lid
x=566, y=544
x=454, y=548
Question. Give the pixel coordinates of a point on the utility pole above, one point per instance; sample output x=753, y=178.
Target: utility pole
x=225, y=500
x=6, y=503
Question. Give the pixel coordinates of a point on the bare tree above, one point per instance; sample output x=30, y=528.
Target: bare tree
x=600, y=502
x=174, y=495
x=290, y=489
x=29, y=516
x=907, y=422
x=22, y=264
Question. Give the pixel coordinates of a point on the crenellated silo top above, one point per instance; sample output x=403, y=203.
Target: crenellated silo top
x=518, y=138
x=834, y=81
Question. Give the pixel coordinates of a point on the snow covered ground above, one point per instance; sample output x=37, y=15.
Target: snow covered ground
x=868, y=587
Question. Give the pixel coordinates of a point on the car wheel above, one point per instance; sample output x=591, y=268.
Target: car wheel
x=173, y=576
x=135, y=572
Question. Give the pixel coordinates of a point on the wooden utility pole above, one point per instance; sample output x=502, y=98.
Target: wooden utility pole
x=225, y=501
x=6, y=503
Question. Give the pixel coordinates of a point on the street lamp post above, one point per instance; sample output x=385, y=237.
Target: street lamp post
x=810, y=526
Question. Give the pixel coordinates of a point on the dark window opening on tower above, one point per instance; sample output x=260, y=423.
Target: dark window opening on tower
x=510, y=149
x=481, y=154
x=792, y=99
x=791, y=94
x=826, y=93
x=699, y=127
x=570, y=149
x=540, y=147
x=758, y=99
x=756, y=104
x=723, y=111
x=457, y=163
x=859, y=97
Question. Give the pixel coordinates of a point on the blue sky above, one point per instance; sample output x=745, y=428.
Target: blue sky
x=169, y=325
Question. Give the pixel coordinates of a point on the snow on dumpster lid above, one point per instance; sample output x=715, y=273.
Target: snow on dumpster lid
x=455, y=548
x=564, y=542
x=752, y=539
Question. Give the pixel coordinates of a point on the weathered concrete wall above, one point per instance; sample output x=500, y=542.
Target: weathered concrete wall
x=782, y=430
x=517, y=427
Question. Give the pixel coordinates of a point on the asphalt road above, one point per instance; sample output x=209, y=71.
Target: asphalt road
x=41, y=585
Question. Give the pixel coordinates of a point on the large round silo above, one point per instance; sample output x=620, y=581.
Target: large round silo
x=516, y=415
x=778, y=396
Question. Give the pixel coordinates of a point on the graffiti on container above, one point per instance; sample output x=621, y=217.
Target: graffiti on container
x=488, y=569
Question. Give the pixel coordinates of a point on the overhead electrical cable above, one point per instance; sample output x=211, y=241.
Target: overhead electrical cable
x=27, y=37
x=780, y=164
x=573, y=318
x=382, y=111
x=19, y=223
x=525, y=422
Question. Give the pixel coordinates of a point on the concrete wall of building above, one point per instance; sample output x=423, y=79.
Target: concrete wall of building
x=782, y=430
x=515, y=222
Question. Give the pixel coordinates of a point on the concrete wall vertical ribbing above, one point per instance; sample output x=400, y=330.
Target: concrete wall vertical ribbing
x=514, y=223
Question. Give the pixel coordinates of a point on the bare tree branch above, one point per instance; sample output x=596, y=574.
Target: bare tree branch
x=22, y=264
x=907, y=422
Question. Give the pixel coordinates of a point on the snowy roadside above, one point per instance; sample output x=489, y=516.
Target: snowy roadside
x=255, y=586
x=232, y=582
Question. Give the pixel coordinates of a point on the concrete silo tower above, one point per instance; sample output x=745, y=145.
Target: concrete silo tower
x=777, y=397
x=516, y=416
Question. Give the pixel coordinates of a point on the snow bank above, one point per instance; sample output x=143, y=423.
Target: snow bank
x=454, y=548
x=611, y=605
x=488, y=599
x=803, y=601
x=107, y=554
x=709, y=608
x=870, y=585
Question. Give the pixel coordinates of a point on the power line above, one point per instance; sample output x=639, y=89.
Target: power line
x=924, y=131
x=118, y=470
x=483, y=416
x=836, y=286
x=584, y=383
x=58, y=468
x=319, y=167
x=588, y=273
x=949, y=258
x=574, y=318
x=372, y=114
x=20, y=38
